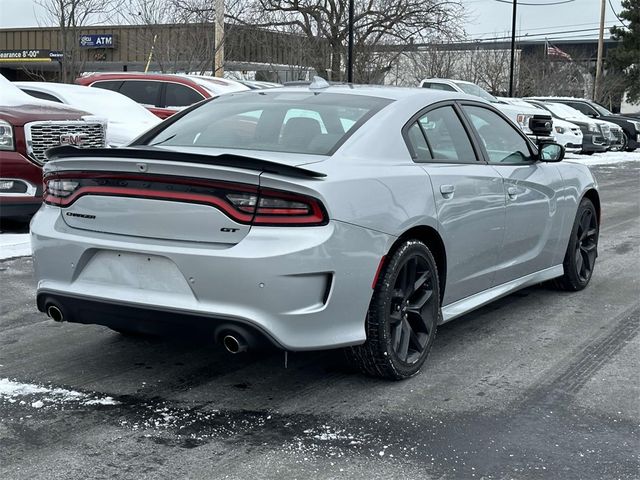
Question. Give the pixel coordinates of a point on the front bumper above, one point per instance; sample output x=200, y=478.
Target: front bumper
x=303, y=288
x=26, y=197
x=594, y=143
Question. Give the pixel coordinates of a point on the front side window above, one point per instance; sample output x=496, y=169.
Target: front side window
x=300, y=122
x=141, y=91
x=447, y=139
x=503, y=143
x=181, y=96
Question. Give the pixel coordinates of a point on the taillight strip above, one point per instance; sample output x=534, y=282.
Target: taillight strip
x=312, y=214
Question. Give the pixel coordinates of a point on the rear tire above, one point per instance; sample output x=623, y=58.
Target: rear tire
x=403, y=315
x=582, y=251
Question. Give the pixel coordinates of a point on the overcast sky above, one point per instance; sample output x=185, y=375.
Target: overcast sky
x=487, y=18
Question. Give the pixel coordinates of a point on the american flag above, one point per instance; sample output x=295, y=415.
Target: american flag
x=556, y=52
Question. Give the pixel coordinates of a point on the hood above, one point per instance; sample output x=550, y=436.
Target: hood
x=18, y=115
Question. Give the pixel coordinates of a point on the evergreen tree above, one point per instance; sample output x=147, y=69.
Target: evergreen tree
x=626, y=57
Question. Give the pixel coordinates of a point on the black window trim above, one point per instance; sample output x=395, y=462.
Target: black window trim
x=163, y=94
x=533, y=150
x=480, y=156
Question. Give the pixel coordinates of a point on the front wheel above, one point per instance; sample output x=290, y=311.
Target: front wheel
x=403, y=315
x=580, y=257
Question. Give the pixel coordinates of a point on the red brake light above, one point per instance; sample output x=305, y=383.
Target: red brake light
x=247, y=204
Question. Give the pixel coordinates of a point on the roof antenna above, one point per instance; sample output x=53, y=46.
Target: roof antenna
x=318, y=83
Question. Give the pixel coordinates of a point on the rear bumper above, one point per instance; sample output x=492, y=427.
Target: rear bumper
x=304, y=288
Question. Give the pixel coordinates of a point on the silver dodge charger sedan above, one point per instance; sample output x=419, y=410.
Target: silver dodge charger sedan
x=312, y=217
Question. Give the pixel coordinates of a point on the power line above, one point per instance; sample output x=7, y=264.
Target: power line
x=619, y=19
x=546, y=27
x=527, y=35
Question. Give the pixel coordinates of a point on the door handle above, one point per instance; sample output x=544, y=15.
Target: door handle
x=447, y=190
x=512, y=192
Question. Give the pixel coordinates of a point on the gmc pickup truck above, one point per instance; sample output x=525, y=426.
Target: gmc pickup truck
x=28, y=127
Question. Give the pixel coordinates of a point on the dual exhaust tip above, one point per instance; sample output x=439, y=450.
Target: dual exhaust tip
x=233, y=342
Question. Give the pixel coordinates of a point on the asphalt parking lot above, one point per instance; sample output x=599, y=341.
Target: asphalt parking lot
x=540, y=385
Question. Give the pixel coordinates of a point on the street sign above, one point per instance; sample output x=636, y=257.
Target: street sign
x=8, y=56
x=106, y=40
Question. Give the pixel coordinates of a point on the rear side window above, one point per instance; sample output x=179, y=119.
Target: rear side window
x=418, y=142
x=181, y=96
x=141, y=91
x=447, y=139
x=108, y=85
x=299, y=122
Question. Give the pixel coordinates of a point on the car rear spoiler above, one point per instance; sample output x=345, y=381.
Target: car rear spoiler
x=227, y=160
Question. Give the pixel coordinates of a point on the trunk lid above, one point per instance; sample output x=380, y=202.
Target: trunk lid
x=159, y=194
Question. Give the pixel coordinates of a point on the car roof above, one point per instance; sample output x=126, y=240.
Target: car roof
x=381, y=91
x=553, y=99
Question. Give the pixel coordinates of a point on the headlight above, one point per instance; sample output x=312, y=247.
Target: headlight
x=592, y=127
x=6, y=136
x=636, y=124
x=560, y=130
x=523, y=122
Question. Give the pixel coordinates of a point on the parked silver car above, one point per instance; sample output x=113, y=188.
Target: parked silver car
x=315, y=217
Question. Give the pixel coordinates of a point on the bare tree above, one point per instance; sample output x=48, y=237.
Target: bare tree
x=378, y=22
x=541, y=74
x=70, y=16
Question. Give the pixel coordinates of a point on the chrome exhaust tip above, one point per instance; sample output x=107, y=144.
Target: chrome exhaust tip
x=55, y=313
x=234, y=344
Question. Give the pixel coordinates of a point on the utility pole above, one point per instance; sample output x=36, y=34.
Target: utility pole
x=218, y=42
x=350, y=48
x=513, y=47
x=596, y=83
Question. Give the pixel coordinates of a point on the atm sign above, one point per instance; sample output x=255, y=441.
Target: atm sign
x=97, y=41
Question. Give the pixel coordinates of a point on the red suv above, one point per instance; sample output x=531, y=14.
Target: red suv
x=163, y=94
x=28, y=127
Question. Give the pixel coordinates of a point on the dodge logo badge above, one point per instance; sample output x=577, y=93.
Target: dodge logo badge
x=72, y=139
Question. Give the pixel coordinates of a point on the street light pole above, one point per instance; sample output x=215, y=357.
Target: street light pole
x=350, y=48
x=513, y=47
x=598, y=79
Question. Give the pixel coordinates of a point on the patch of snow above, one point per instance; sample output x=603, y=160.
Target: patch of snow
x=607, y=158
x=14, y=245
x=10, y=389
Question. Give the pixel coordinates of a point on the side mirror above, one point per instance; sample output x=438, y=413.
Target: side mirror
x=550, y=152
x=592, y=115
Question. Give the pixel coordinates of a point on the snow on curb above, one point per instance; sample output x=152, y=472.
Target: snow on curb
x=13, y=392
x=14, y=245
x=608, y=158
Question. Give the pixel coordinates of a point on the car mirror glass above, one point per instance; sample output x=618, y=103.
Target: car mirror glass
x=551, y=152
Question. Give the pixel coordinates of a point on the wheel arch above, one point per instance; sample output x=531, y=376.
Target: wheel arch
x=593, y=195
x=432, y=239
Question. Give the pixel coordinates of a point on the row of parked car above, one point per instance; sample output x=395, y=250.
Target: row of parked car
x=580, y=125
x=35, y=116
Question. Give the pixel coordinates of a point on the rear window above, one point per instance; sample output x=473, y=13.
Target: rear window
x=297, y=122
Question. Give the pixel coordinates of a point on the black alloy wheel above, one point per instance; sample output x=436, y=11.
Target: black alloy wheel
x=586, y=245
x=582, y=251
x=403, y=315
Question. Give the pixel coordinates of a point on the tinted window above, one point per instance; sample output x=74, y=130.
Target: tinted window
x=582, y=107
x=302, y=122
x=438, y=86
x=42, y=95
x=141, y=91
x=419, y=147
x=108, y=85
x=181, y=96
x=447, y=138
x=501, y=140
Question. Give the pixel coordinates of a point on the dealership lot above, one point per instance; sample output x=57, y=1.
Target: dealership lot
x=541, y=384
